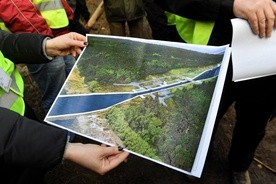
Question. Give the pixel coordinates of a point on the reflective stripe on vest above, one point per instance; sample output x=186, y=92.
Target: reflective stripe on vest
x=53, y=12
x=13, y=99
x=192, y=31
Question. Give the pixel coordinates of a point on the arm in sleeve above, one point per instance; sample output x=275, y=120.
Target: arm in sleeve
x=29, y=143
x=23, y=47
x=22, y=16
x=199, y=9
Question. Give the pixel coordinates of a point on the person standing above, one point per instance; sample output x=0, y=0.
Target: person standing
x=254, y=99
x=28, y=148
x=122, y=13
x=36, y=17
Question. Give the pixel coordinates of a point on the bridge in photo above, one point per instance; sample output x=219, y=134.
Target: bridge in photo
x=76, y=104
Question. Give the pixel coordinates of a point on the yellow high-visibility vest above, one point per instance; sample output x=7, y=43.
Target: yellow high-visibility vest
x=53, y=12
x=191, y=31
x=13, y=98
x=3, y=26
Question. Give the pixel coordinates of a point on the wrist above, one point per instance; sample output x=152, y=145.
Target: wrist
x=68, y=151
x=45, y=48
x=71, y=150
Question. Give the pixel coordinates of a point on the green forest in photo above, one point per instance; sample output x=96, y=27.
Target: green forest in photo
x=170, y=133
x=107, y=61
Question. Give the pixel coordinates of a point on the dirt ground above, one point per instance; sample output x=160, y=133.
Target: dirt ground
x=141, y=171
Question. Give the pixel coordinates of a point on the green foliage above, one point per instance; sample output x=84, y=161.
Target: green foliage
x=132, y=140
x=93, y=86
x=117, y=61
x=144, y=122
x=170, y=132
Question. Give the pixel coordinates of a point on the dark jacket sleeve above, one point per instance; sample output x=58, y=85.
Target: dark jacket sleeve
x=22, y=48
x=199, y=9
x=29, y=143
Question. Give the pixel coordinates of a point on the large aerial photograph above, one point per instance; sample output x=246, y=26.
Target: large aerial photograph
x=156, y=99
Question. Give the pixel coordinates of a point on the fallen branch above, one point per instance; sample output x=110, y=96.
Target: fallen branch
x=266, y=166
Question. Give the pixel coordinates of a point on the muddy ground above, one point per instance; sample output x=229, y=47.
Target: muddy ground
x=141, y=171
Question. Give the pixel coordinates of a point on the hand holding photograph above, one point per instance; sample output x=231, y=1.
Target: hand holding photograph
x=156, y=99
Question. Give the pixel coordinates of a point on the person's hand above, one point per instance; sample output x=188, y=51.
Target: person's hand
x=259, y=13
x=70, y=43
x=100, y=159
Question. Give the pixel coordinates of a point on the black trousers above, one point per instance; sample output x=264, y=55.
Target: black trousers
x=81, y=10
x=254, y=104
x=76, y=26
